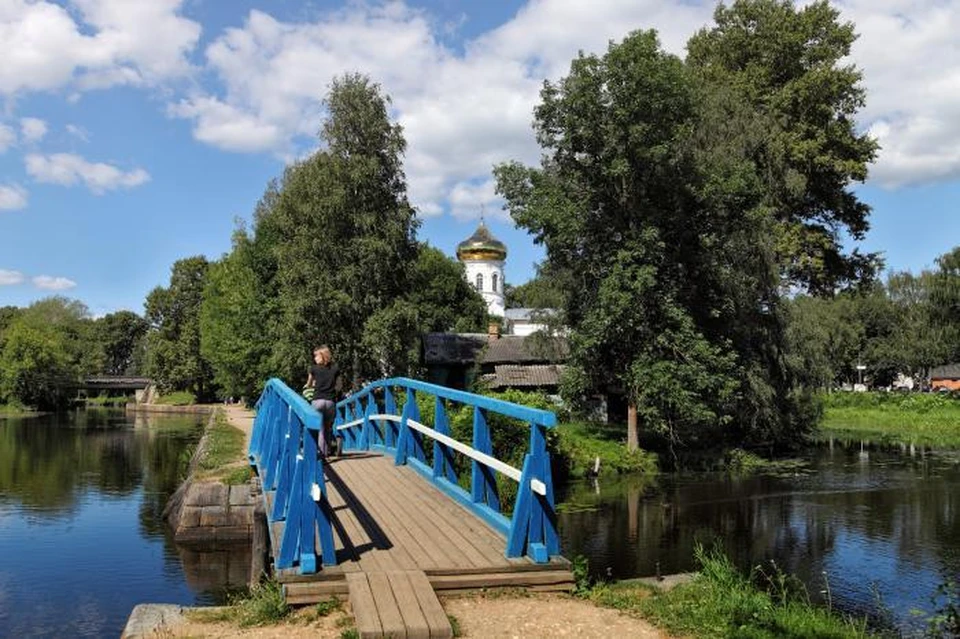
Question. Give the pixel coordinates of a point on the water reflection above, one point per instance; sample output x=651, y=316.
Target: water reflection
x=872, y=521
x=81, y=497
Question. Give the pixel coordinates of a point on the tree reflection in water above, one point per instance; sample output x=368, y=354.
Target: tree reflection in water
x=857, y=513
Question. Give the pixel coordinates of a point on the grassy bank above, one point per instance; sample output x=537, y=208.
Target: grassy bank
x=721, y=603
x=178, y=398
x=14, y=410
x=223, y=456
x=924, y=419
x=577, y=446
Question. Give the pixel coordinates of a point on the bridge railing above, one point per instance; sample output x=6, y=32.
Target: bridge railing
x=366, y=421
x=283, y=448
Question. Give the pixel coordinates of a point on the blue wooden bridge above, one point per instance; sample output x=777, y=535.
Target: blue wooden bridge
x=407, y=509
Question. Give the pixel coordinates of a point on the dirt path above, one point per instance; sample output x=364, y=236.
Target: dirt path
x=498, y=617
x=242, y=418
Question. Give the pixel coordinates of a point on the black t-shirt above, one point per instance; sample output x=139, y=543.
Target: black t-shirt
x=324, y=381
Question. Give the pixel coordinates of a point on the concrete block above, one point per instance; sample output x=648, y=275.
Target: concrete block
x=190, y=516
x=213, y=516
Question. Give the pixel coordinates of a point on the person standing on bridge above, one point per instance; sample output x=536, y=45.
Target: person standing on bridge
x=324, y=377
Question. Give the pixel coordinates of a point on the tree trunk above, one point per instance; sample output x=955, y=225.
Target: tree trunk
x=633, y=435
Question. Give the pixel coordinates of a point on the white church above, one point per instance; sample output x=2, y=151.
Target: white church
x=483, y=257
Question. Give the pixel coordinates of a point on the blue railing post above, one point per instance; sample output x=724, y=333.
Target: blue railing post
x=533, y=529
x=483, y=483
x=403, y=438
x=390, y=407
x=283, y=448
x=369, y=429
x=287, y=472
x=442, y=455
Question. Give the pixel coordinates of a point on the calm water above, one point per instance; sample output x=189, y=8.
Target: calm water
x=881, y=527
x=82, y=541
x=81, y=538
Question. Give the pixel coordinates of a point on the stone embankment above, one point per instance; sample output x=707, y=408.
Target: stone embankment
x=209, y=511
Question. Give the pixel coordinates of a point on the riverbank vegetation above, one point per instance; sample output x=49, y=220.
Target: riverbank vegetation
x=223, y=456
x=922, y=419
x=720, y=602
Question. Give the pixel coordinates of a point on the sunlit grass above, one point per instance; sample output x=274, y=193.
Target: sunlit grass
x=920, y=419
x=721, y=603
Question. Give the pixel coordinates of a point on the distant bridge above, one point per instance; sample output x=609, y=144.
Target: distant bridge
x=115, y=382
x=389, y=521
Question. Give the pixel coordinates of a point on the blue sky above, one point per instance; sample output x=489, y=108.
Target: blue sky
x=136, y=132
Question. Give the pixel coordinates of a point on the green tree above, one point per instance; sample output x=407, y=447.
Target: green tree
x=443, y=298
x=173, y=342
x=788, y=64
x=347, y=233
x=43, y=355
x=543, y=291
x=654, y=202
x=234, y=333
x=121, y=336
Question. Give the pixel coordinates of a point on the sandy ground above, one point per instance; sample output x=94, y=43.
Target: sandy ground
x=500, y=617
x=242, y=418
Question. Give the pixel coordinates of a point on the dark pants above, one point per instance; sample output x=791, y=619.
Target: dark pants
x=328, y=409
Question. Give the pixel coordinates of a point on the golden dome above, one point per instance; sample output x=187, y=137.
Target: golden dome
x=481, y=246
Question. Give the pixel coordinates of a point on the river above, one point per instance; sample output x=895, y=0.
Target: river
x=872, y=531
x=81, y=536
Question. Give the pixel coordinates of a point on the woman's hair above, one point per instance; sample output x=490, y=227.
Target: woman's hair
x=326, y=355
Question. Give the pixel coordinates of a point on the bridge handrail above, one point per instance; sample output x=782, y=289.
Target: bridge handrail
x=531, y=529
x=283, y=449
x=524, y=413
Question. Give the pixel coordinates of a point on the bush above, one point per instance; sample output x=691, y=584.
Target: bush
x=177, y=398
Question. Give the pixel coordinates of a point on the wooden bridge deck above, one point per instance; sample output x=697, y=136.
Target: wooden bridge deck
x=392, y=528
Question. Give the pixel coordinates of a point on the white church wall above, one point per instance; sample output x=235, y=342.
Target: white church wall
x=487, y=269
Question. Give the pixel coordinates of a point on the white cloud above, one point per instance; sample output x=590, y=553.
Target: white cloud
x=464, y=111
x=9, y=278
x=78, y=132
x=68, y=169
x=49, y=283
x=12, y=197
x=95, y=43
x=8, y=137
x=32, y=129
x=910, y=57
x=461, y=113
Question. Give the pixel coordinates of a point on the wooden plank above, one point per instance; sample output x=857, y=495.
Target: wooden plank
x=414, y=512
x=433, y=612
x=390, y=618
x=413, y=619
x=369, y=551
x=429, y=546
x=313, y=592
x=501, y=579
x=364, y=608
x=407, y=552
x=486, y=546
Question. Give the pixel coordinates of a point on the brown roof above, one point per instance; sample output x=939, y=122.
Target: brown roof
x=452, y=348
x=513, y=375
x=947, y=371
x=518, y=349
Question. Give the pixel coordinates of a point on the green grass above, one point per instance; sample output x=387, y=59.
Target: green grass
x=260, y=605
x=578, y=444
x=178, y=398
x=721, y=603
x=224, y=456
x=909, y=418
x=13, y=410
